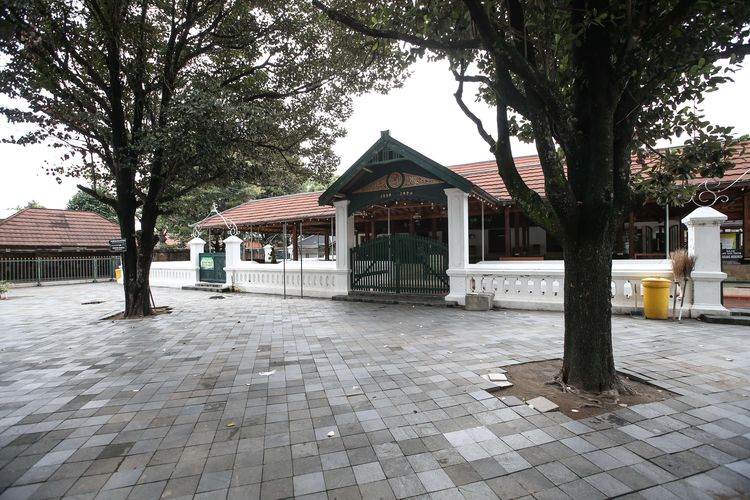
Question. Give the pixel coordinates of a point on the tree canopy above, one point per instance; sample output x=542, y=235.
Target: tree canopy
x=29, y=204
x=150, y=99
x=84, y=202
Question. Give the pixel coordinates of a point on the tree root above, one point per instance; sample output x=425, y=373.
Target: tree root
x=621, y=388
x=588, y=405
x=557, y=380
x=624, y=388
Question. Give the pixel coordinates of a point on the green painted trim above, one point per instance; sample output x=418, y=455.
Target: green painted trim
x=432, y=167
x=432, y=194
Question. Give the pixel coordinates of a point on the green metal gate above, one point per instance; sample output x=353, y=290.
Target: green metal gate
x=400, y=264
x=212, y=267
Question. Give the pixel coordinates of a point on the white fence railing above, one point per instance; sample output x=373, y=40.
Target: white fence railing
x=173, y=274
x=537, y=285
x=540, y=285
x=316, y=279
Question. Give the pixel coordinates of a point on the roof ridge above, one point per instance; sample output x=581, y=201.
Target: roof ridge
x=272, y=198
x=490, y=160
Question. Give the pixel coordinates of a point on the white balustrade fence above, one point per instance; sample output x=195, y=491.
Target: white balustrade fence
x=175, y=274
x=540, y=285
x=318, y=278
x=537, y=285
x=534, y=285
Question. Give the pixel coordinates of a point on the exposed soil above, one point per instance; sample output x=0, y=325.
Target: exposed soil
x=530, y=380
x=156, y=312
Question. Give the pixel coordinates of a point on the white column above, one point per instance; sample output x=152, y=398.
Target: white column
x=233, y=255
x=344, y=241
x=705, y=244
x=196, y=248
x=458, y=243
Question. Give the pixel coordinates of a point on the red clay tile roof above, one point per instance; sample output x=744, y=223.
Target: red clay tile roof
x=291, y=207
x=46, y=228
x=482, y=174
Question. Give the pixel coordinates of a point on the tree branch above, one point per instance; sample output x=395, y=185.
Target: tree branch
x=360, y=27
x=529, y=200
x=508, y=58
x=98, y=195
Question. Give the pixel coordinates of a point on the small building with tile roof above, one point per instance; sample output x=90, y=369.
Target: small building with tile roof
x=53, y=232
x=393, y=190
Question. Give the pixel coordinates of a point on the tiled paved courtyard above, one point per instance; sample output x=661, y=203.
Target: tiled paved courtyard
x=236, y=398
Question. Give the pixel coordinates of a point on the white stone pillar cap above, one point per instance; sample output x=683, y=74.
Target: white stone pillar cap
x=232, y=239
x=704, y=215
x=196, y=241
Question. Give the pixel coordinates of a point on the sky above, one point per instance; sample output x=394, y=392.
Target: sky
x=422, y=114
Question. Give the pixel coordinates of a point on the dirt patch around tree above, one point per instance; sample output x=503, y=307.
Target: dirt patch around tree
x=531, y=380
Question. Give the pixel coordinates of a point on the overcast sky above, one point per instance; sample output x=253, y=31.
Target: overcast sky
x=422, y=114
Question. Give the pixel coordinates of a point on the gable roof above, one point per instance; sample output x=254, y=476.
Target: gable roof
x=386, y=150
x=483, y=176
x=52, y=229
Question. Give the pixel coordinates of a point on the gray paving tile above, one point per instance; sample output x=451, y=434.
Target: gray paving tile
x=406, y=486
x=144, y=410
x=309, y=483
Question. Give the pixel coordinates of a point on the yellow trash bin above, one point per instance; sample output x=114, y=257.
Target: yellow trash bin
x=656, y=298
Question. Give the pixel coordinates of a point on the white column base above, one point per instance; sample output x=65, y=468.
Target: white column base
x=457, y=283
x=341, y=282
x=713, y=309
x=707, y=293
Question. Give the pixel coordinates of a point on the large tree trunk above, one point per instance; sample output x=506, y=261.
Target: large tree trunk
x=138, y=295
x=136, y=265
x=588, y=361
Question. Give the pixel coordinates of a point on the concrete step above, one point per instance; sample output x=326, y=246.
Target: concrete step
x=739, y=320
x=392, y=298
x=209, y=287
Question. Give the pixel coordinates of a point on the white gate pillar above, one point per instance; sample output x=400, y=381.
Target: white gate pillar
x=233, y=256
x=344, y=241
x=458, y=243
x=704, y=242
x=196, y=248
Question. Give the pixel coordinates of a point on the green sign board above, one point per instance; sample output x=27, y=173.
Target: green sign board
x=207, y=262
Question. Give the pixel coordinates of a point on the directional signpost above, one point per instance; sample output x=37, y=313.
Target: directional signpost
x=117, y=246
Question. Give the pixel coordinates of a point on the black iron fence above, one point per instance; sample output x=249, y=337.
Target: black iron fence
x=48, y=269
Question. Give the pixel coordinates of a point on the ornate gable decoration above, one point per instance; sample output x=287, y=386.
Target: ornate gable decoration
x=385, y=155
x=397, y=180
